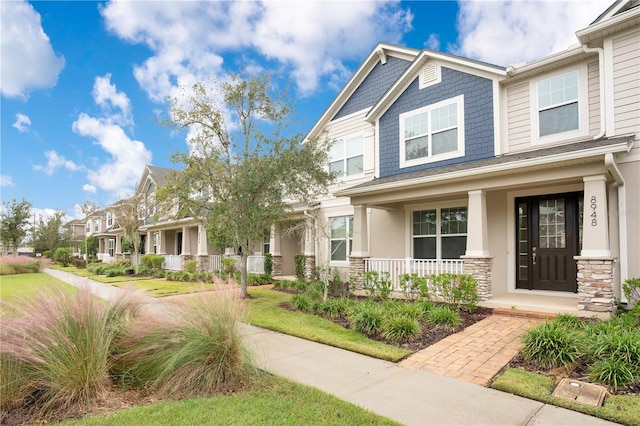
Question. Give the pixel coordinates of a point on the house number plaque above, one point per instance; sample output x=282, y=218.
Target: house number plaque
x=594, y=215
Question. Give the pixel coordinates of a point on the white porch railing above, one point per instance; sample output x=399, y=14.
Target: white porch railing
x=215, y=262
x=421, y=267
x=255, y=263
x=105, y=258
x=172, y=262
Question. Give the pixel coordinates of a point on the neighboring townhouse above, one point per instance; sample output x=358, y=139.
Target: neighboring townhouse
x=77, y=230
x=527, y=177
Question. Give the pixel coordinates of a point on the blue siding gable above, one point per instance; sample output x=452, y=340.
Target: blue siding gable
x=374, y=86
x=478, y=119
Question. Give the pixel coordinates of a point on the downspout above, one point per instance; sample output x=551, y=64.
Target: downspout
x=600, y=53
x=315, y=227
x=612, y=167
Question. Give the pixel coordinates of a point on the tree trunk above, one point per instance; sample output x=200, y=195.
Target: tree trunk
x=243, y=275
x=136, y=266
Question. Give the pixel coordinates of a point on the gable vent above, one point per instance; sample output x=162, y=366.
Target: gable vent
x=429, y=73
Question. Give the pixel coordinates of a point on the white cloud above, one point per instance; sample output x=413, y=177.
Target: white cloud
x=56, y=161
x=22, y=122
x=506, y=32
x=116, y=105
x=127, y=157
x=89, y=188
x=6, y=180
x=433, y=42
x=311, y=38
x=28, y=60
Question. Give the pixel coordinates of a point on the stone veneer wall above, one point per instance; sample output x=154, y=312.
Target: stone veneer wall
x=595, y=284
x=183, y=261
x=277, y=265
x=480, y=268
x=203, y=263
x=309, y=266
x=356, y=265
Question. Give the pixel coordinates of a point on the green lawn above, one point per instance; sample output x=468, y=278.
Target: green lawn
x=264, y=312
x=13, y=286
x=160, y=287
x=623, y=409
x=275, y=402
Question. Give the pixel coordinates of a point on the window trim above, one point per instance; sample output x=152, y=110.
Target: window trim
x=348, y=239
x=344, y=158
x=583, y=107
x=460, y=152
x=438, y=207
x=109, y=219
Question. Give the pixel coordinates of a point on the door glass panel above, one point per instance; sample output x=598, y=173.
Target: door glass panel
x=552, y=224
x=523, y=242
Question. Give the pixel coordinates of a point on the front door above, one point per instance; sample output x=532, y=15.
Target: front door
x=548, y=237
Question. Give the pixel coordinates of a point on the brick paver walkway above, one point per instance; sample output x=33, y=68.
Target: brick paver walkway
x=477, y=353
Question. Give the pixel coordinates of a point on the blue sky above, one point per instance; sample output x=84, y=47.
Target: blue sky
x=83, y=82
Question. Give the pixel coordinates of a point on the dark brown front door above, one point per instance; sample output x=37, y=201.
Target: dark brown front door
x=547, y=240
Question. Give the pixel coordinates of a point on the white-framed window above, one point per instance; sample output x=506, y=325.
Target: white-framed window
x=96, y=225
x=266, y=244
x=341, y=237
x=559, y=106
x=88, y=228
x=346, y=156
x=432, y=133
x=109, y=220
x=112, y=244
x=558, y=109
x=155, y=242
x=439, y=233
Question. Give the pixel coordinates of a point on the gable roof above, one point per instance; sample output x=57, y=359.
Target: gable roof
x=157, y=174
x=617, y=7
x=378, y=54
x=413, y=71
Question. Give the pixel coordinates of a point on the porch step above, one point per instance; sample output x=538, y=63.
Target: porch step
x=525, y=314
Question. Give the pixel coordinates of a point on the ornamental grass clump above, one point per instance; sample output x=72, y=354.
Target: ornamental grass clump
x=10, y=265
x=61, y=344
x=366, y=318
x=552, y=345
x=194, y=349
x=444, y=316
x=400, y=327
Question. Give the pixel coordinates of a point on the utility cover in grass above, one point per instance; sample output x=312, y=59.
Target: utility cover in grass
x=581, y=392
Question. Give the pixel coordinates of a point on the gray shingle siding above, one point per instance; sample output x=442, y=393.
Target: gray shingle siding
x=374, y=86
x=478, y=119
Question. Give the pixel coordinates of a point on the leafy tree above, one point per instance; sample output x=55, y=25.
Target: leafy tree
x=87, y=208
x=242, y=171
x=51, y=234
x=14, y=221
x=128, y=214
x=63, y=256
x=90, y=246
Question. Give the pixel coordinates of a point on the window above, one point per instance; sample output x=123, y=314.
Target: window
x=109, y=219
x=341, y=237
x=155, y=243
x=439, y=233
x=345, y=156
x=558, y=110
x=266, y=244
x=112, y=244
x=96, y=225
x=432, y=133
x=88, y=227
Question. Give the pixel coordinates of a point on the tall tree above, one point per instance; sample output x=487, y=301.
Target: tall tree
x=244, y=167
x=87, y=208
x=128, y=217
x=50, y=234
x=14, y=222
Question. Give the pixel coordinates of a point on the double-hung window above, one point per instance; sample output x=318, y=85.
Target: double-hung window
x=341, y=237
x=432, y=133
x=439, y=233
x=112, y=244
x=346, y=156
x=558, y=107
x=266, y=244
x=109, y=220
x=96, y=225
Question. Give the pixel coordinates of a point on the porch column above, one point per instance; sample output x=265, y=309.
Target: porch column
x=276, y=254
x=162, y=249
x=309, y=248
x=149, y=241
x=477, y=261
x=186, y=247
x=595, y=263
x=360, y=248
x=118, y=244
x=203, y=252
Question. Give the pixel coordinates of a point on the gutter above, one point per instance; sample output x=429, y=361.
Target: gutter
x=612, y=168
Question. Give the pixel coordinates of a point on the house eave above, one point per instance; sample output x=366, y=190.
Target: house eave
x=486, y=171
x=617, y=23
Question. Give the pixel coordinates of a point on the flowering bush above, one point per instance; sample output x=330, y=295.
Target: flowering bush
x=10, y=265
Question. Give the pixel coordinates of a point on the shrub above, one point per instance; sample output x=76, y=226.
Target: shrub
x=14, y=386
x=333, y=308
x=258, y=279
x=63, y=344
x=570, y=321
x=400, y=327
x=300, y=302
x=338, y=288
x=631, y=289
x=613, y=372
x=453, y=289
x=48, y=254
x=366, y=318
x=411, y=284
x=79, y=262
x=552, y=345
x=191, y=265
x=228, y=265
x=152, y=261
x=314, y=290
x=300, y=261
x=444, y=316
x=268, y=264
x=10, y=265
x=376, y=285
x=618, y=345
x=63, y=256
x=196, y=351
x=115, y=271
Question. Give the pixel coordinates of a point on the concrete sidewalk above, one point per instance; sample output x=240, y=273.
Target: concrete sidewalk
x=407, y=395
